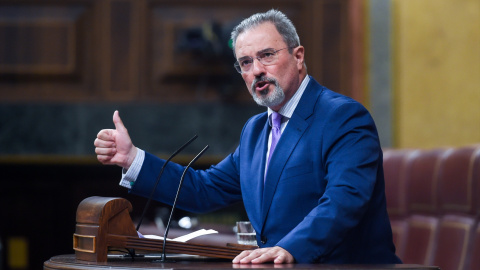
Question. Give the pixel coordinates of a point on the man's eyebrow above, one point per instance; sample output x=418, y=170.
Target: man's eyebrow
x=265, y=50
x=244, y=58
x=259, y=52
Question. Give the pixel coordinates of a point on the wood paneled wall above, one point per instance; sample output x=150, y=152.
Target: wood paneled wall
x=65, y=65
x=159, y=50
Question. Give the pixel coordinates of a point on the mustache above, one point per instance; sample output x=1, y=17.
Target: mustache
x=262, y=79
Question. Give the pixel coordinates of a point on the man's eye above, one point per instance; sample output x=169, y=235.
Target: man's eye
x=267, y=55
x=245, y=62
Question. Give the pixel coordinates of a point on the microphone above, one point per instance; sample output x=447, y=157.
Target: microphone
x=164, y=256
x=158, y=179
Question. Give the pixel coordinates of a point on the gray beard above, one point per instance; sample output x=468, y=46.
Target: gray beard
x=275, y=98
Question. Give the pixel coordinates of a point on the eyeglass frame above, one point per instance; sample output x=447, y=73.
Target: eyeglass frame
x=259, y=58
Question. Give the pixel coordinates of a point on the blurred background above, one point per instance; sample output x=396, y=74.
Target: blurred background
x=66, y=65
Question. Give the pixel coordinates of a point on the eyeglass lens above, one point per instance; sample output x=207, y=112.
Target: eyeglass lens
x=267, y=57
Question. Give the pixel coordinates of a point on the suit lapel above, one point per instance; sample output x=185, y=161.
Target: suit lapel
x=296, y=127
x=252, y=183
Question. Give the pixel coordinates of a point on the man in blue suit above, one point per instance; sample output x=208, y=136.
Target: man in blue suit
x=320, y=198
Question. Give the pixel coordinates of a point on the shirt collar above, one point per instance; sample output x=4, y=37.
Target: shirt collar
x=287, y=110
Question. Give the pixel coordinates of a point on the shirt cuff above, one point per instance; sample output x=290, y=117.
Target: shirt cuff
x=130, y=176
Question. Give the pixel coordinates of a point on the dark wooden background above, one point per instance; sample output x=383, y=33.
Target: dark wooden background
x=126, y=50
x=65, y=65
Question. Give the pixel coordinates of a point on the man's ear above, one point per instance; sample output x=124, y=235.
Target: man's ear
x=299, y=53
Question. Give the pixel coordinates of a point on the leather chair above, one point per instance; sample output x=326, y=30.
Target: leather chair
x=474, y=262
x=421, y=239
x=433, y=200
x=454, y=238
x=456, y=185
x=422, y=181
x=457, y=203
x=421, y=191
x=473, y=259
x=394, y=166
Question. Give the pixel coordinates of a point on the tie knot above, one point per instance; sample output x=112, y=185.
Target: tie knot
x=276, y=120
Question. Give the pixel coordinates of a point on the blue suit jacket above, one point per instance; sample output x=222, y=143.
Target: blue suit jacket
x=323, y=198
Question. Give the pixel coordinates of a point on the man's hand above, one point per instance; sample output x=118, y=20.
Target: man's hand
x=263, y=255
x=114, y=146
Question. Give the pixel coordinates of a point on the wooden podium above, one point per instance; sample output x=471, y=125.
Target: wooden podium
x=104, y=224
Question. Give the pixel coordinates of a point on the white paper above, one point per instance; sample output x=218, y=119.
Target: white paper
x=183, y=238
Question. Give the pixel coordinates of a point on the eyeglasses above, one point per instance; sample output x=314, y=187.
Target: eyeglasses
x=267, y=57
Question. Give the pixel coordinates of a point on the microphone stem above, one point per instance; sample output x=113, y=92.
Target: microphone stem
x=167, y=228
x=158, y=179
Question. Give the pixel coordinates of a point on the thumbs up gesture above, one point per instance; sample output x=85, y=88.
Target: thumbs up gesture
x=114, y=146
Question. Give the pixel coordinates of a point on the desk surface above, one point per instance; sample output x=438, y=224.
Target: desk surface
x=69, y=262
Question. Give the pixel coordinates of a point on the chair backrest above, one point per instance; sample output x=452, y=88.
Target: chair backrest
x=474, y=256
x=433, y=199
x=422, y=181
x=420, y=240
x=458, y=205
x=421, y=176
x=455, y=234
x=456, y=185
x=394, y=167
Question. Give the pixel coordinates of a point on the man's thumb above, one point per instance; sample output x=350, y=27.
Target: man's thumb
x=118, y=122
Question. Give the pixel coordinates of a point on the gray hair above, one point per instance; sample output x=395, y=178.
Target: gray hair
x=283, y=24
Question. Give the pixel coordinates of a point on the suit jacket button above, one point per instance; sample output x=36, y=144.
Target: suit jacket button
x=264, y=239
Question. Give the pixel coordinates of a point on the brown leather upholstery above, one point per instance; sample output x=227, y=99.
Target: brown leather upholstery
x=422, y=181
x=455, y=234
x=457, y=202
x=476, y=177
x=456, y=186
x=394, y=163
x=474, y=254
x=433, y=199
x=420, y=239
x=422, y=225
x=473, y=257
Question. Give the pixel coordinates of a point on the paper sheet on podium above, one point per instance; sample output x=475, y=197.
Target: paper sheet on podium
x=183, y=238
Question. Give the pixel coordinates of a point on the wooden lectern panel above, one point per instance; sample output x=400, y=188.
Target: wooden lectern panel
x=97, y=218
x=105, y=223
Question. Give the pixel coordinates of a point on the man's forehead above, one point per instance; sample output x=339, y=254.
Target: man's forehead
x=263, y=29
x=254, y=40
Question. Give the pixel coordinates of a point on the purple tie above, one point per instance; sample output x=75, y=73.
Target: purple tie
x=276, y=133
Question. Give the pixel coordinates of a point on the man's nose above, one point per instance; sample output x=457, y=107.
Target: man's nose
x=257, y=68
